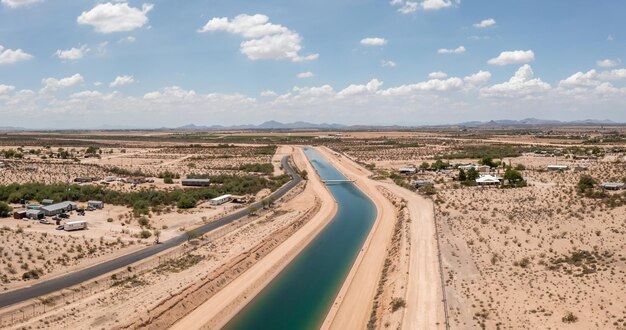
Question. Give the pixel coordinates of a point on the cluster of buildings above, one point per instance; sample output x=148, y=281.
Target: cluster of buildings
x=48, y=208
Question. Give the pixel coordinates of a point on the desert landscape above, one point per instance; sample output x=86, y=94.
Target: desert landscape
x=304, y=165
x=444, y=251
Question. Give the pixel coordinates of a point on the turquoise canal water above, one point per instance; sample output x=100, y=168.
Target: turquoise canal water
x=301, y=295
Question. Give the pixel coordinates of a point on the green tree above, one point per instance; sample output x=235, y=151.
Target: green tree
x=424, y=166
x=439, y=165
x=5, y=209
x=514, y=178
x=186, y=202
x=168, y=180
x=488, y=161
x=586, y=183
x=472, y=174
x=462, y=175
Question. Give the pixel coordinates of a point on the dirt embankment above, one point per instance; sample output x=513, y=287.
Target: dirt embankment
x=171, y=310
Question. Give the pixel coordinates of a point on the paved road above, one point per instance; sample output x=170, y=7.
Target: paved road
x=65, y=281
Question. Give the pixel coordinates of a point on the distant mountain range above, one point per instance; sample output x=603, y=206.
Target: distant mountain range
x=11, y=128
x=302, y=125
x=534, y=122
x=268, y=125
x=272, y=124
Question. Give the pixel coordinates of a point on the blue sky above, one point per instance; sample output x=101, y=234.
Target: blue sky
x=169, y=63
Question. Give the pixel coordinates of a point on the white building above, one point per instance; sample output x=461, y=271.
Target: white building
x=468, y=167
x=221, y=200
x=558, y=167
x=486, y=180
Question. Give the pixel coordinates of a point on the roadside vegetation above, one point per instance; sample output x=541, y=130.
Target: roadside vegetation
x=142, y=200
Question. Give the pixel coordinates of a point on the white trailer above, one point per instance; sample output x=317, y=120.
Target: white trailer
x=220, y=200
x=75, y=225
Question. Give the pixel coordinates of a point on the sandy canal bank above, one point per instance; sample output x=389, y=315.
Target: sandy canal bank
x=219, y=309
x=353, y=305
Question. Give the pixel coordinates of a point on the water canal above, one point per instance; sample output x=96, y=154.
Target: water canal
x=302, y=294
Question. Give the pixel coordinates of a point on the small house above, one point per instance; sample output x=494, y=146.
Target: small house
x=220, y=200
x=488, y=180
x=47, y=202
x=34, y=214
x=195, y=182
x=580, y=168
x=21, y=214
x=95, y=204
x=58, y=208
x=613, y=185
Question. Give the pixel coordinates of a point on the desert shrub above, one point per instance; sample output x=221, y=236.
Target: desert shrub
x=586, y=183
x=397, y=303
x=145, y=234
x=569, y=318
x=5, y=210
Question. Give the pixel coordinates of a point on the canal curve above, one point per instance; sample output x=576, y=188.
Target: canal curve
x=302, y=294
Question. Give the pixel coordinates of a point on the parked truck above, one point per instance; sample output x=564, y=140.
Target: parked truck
x=75, y=225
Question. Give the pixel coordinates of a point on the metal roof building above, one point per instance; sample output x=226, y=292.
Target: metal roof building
x=196, y=182
x=58, y=208
x=614, y=185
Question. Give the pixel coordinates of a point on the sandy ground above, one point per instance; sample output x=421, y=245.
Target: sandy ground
x=424, y=306
x=216, y=311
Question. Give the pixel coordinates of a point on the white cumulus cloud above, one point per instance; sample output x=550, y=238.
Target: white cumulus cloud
x=53, y=84
x=478, y=78
x=485, y=23
x=458, y=50
x=513, y=57
x=433, y=85
x=303, y=75
x=388, y=64
x=122, y=80
x=616, y=74
x=264, y=40
x=6, y=88
x=370, y=87
x=437, y=75
x=9, y=56
x=72, y=53
x=608, y=63
x=521, y=84
x=580, y=79
x=18, y=3
x=115, y=17
x=373, y=42
x=409, y=6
